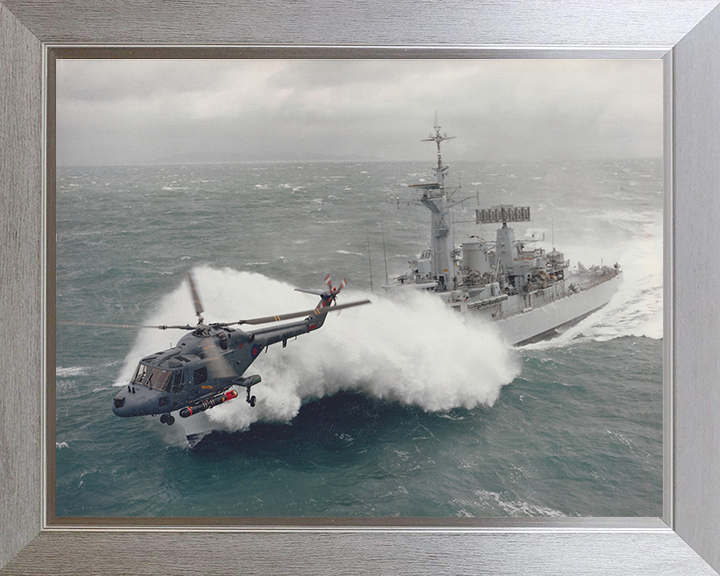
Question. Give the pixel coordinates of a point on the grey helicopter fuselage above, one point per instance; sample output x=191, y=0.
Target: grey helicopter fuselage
x=181, y=376
x=206, y=365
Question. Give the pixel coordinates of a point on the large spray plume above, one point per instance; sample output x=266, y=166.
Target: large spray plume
x=413, y=350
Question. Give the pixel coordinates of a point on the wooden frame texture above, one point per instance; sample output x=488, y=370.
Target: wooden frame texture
x=685, y=33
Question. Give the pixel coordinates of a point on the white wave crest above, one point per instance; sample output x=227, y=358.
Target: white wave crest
x=513, y=508
x=70, y=372
x=637, y=307
x=413, y=351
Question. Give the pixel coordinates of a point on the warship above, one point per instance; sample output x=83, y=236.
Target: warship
x=530, y=294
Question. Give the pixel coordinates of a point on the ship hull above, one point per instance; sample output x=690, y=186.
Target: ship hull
x=548, y=320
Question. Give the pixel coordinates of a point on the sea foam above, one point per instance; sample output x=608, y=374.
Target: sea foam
x=636, y=309
x=413, y=350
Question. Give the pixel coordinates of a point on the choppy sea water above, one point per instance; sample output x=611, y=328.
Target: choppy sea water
x=394, y=409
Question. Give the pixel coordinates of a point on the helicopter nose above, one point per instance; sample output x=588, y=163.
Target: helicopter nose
x=139, y=401
x=119, y=405
x=127, y=402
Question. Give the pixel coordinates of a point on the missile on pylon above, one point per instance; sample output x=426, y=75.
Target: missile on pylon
x=208, y=403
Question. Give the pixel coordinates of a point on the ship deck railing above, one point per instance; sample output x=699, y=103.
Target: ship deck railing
x=534, y=299
x=608, y=274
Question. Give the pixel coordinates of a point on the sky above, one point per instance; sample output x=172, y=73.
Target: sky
x=153, y=111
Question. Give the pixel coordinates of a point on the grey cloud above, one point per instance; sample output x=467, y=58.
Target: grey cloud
x=224, y=110
x=113, y=80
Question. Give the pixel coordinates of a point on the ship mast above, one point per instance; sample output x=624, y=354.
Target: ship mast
x=434, y=198
x=438, y=138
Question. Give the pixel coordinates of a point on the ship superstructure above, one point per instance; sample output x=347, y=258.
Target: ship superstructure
x=531, y=294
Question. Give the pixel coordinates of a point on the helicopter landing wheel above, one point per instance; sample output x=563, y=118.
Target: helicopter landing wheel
x=170, y=420
x=163, y=418
x=250, y=399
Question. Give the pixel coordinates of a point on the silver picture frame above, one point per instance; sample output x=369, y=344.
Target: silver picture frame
x=685, y=34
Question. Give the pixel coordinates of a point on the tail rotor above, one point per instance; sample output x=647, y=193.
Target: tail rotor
x=332, y=294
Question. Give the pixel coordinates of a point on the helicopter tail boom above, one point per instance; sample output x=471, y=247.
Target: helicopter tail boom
x=319, y=311
x=314, y=319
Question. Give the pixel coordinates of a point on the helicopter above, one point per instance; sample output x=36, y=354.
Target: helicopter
x=199, y=372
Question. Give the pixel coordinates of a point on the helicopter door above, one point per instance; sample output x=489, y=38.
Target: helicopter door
x=200, y=376
x=177, y=384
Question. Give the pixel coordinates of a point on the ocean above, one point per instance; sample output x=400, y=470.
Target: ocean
x=396, y=409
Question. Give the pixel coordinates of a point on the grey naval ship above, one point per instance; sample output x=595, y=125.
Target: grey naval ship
x=530, y=294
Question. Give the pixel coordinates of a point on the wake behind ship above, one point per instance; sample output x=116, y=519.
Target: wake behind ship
x=530, y=294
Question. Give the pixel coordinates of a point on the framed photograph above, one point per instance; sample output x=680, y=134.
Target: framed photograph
x=63, y=504
x=244, y=185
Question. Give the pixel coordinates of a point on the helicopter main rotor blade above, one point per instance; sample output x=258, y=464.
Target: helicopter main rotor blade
x=315, y=311
x=217, y=364
x=311, y=291
x=195, y=296
x=161, y=327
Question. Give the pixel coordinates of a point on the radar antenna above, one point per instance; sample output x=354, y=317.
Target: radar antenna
x=438, y=138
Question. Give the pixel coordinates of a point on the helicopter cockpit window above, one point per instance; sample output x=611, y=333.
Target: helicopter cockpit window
x=200, y=376
x=159, y=379
x=140, y=374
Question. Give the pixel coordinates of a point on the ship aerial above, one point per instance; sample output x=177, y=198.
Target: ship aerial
x=530, y=294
